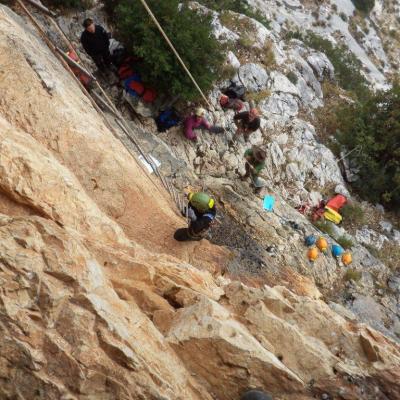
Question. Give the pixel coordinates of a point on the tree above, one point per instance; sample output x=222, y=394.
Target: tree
x=364, y=6
x=374, y=124
x=189, y=31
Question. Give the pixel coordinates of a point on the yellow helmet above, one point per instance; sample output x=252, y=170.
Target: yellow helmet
x=200, y=111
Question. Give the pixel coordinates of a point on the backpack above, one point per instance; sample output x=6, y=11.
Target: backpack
x=167, y=119
x=235, y=91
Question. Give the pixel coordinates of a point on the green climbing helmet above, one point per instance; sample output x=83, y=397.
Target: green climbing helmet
x=201, y=201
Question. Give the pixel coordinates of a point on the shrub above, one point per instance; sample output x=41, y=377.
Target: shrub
x=345, y=242
x=390, y=256
x=353, y=214
x=293, y=35
x=352, y=275
x=347, y=66
x=374, y=124
x=238, y=6
x=365, y=6
x=65, y=3
x=191, y=33
x=268, y=55
x=256, y=97
x=343, y=16
x=292, y=77
x=324, y=226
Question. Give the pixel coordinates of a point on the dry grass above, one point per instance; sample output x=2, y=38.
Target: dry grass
x=352, y=275
x=256, y=97
x=267, y=55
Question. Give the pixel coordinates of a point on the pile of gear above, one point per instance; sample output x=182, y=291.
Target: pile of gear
x=320, y=245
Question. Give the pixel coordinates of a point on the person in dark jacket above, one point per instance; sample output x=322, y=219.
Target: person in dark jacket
x=96, y=41
x=255, y=395
x=201, y=212
x=248, y=122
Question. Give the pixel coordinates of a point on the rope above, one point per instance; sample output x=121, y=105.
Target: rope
x=119, y=118
x=125, y=127
x=175, y=52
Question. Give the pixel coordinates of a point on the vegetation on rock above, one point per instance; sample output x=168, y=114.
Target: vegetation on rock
x=191, y=34
x=374, y=125
x=239, y=6
x=365, y=6
x=68, y=3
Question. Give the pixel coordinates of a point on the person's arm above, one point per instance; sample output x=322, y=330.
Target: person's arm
x=240, y=116
x=205, y=124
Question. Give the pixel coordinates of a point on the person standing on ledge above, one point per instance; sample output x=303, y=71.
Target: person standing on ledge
x=96, y=41
x=201, y=213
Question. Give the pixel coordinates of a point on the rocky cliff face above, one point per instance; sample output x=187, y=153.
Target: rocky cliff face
x=99, y=302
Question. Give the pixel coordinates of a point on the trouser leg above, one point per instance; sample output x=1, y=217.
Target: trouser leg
x=98, y=60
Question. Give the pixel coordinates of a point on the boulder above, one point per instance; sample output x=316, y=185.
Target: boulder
x=253, y=76
x=233, y=60
x=281, y=84
x=321, y=65
x=218, y=349
x=371, y=237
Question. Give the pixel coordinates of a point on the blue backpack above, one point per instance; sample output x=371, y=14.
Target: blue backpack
x=167, y=119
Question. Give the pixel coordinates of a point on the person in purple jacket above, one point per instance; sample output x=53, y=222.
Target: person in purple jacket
x=197, y=121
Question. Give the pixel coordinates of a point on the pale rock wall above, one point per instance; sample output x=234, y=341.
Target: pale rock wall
x=98, y=302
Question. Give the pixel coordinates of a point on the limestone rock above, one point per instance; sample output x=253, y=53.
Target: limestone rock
x=253, y=76
x=208, y=339
x=98, y=301
x=281, y=84
x=321, y=65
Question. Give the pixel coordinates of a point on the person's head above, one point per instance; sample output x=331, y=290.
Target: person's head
x=253, y=114
x=88, y=24
x=259, y=154
x=201, y=201
x=255, y=395
x=199, y=112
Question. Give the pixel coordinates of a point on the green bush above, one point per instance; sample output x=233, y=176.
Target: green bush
x=324, y=226
x=353, y=275
x=65, y=3
x=353, y=214
x=374, y=124
x=292, y=77
x=345, y=242
x=365, y=6
x=239, y=6
x=191, y=34
x=346, y=64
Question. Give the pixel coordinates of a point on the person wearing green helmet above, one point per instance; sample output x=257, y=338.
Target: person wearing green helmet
x=201, y=213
